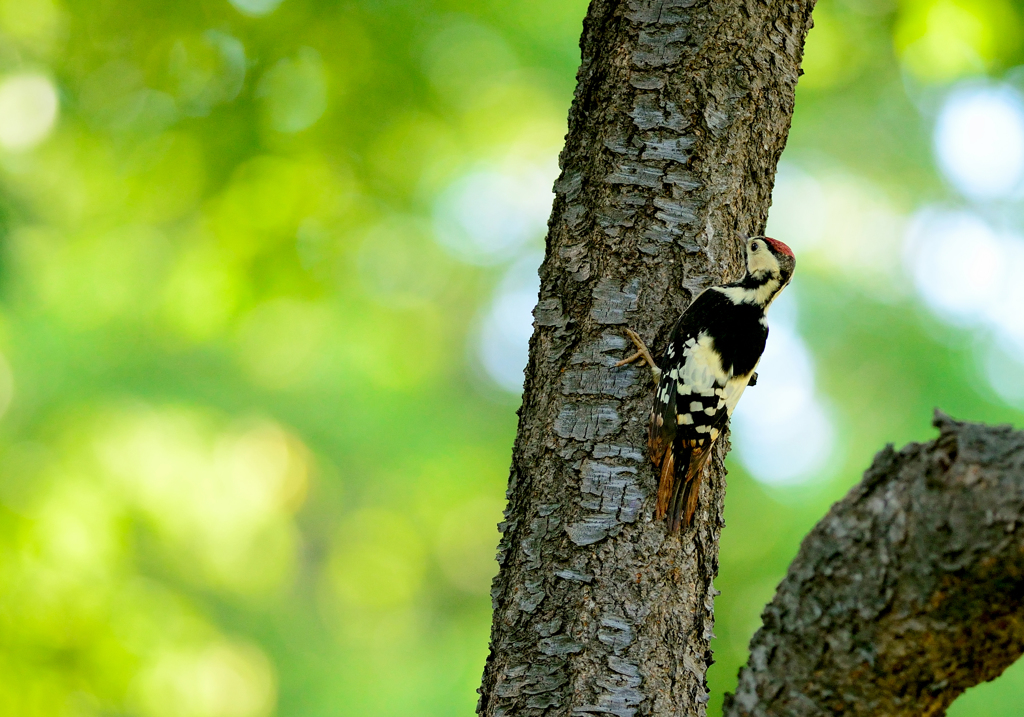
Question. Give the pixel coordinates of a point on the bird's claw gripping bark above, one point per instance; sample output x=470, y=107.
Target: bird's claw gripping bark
x=642, y=354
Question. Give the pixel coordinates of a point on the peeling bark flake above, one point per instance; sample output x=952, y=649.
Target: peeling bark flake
x=612, y=301
x=586, y=421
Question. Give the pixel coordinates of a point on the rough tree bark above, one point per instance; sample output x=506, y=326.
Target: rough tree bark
x=907, y=593
x=681, y=112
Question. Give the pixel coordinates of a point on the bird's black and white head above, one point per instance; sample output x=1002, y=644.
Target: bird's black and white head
x=770, y=265
x=768, y=259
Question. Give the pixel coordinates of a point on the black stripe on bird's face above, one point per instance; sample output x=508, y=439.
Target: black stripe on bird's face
x=770, y=265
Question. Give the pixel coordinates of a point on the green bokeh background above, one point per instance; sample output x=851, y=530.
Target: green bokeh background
x=250, y=463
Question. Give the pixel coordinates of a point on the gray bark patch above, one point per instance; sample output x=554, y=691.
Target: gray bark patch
x=683, y=179
x=600, y=380
x=612, y=301
x=660, y=46
x=635, y=173
x=615, y=450
x=596, y=351
x=574, y=576
x=677, y=211
x=548, y=312
x=611, y=491
x=586, y=421
x=559, y=645
x=673, y=148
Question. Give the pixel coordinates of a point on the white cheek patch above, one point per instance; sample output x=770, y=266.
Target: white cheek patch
x=762, y=261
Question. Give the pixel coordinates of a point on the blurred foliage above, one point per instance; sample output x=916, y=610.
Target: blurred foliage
x=250, y=462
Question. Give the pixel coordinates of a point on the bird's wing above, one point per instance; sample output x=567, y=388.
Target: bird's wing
x=693, y=403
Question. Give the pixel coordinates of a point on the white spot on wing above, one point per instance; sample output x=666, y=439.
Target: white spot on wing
x=703, y=367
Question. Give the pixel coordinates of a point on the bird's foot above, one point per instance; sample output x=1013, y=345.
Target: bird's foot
x=641, y=354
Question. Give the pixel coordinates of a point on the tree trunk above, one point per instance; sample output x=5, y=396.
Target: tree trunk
x=681, y=112
x=907, y=593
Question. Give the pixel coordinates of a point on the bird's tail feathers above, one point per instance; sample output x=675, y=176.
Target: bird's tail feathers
x=665, y=483
x=687, y=489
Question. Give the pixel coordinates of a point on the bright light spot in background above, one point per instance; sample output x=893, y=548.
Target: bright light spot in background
x=959, y=265
x=37, y=23
x=1006, y=313
x=256, y=7
x=969, y=275
x=28, y=110
x=799, y=213
x=488, y=215
x=295, y=91
x=281, y=340
x=979, y=141
x=400, y=264
x=939, y=40
x=115, y=96
x=465, y=58
x=206, y=70
x=839, y=223
x=377, y=560
x=221, y=503
x=1004, y=370
x=505, y=335
x=76, y=528
x=219, y=680
x=783, y=434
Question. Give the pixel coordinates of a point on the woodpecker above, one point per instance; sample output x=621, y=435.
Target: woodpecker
x=708, y=362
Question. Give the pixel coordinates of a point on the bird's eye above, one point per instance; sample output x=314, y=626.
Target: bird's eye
x=753, y=246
